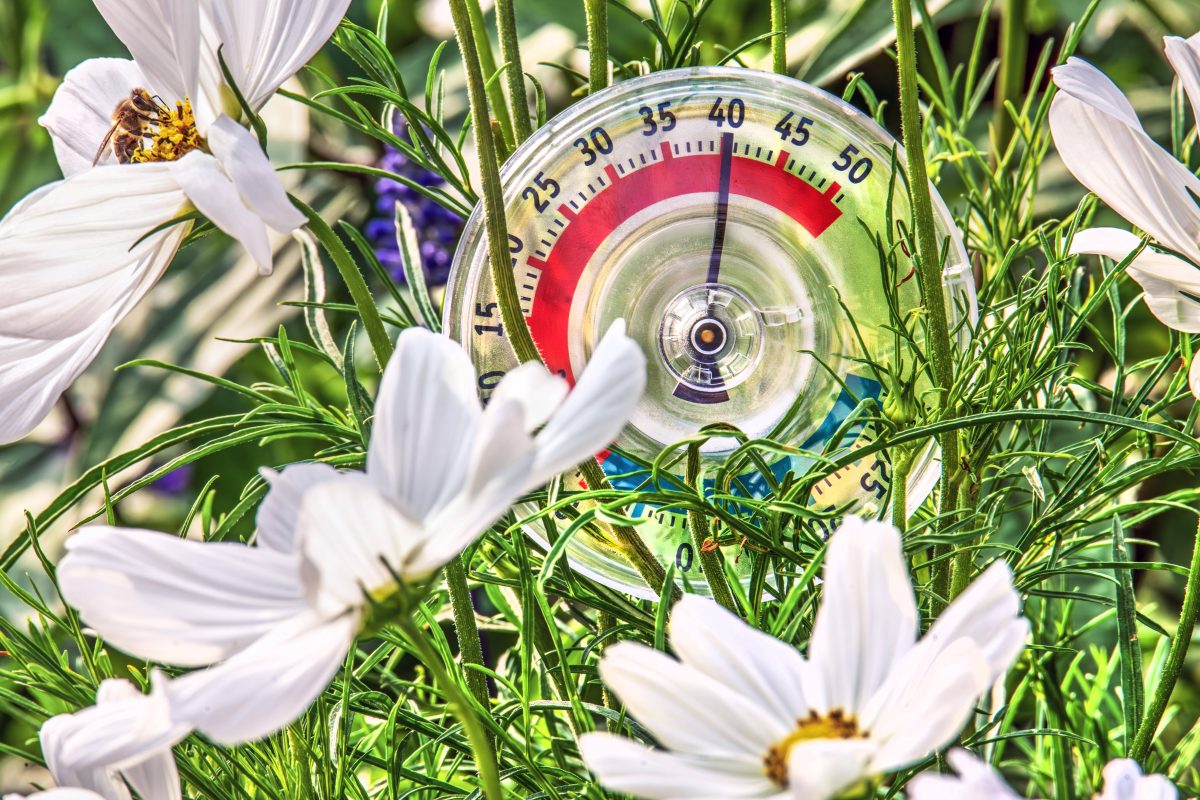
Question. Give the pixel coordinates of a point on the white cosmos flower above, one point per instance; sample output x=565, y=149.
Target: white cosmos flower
x=75, y=255
x=1103, y=144
x=278, y=618
x=122, y=742
x=745, y=715
x=1123, y=780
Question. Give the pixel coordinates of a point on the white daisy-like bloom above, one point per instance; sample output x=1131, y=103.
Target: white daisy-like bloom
x=122, y=742
x=278, y=618
x=77, y=255
x=742, y=714
x=976, y=780
x=1103, y=144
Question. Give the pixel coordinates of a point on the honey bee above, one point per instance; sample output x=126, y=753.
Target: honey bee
x=131, y=118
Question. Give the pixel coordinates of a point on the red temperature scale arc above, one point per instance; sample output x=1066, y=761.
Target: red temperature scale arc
x=626, y=188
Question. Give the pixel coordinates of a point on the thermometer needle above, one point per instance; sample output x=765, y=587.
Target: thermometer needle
x=714, y=260
x=708, y=361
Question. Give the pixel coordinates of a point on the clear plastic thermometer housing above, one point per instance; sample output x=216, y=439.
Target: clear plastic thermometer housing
x=733, y=218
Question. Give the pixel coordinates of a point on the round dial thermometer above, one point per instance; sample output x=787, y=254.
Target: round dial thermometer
x=734, y=219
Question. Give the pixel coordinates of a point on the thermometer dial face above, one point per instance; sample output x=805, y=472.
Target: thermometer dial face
x=733, y=218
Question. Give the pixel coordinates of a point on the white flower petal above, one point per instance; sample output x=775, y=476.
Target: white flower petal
x=822, y=768
x=426, y=416
x=1123, y=780
x=596, y=409
x=156, y=776
x=975, y=780
x=687, y=710
x=627, y=767
x=89, y=748
x=164, y=38
x=925, y=702
x=181, y=602
x=535, y=388
x=57, y=794
x=1184, y=55
x=1194, y=377
x=988, y=612
x=279, y=513
x=355, y=540
x=500, y=464
x=81, y=113
x=267, y=41
x=73, y=252
x=713, y=641
x=215, y=195
x=1082, y=81
x=243, y=159
x=1106, y=149
x=1171, y=285
x=71, y=267
x=269, y=684
x=868, y=616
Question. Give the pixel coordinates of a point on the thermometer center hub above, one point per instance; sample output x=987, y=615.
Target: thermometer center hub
x=710, y=337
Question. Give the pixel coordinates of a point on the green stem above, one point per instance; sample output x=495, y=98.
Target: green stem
x=779, y=36
x=606, y=622
x=902, y=463
x=711, y=563
x=597, y=39
x=465, y=628
x=1176, y=656
x=962, y=567
x=482, y=45
x=928, y=261
x=1014, y=45
x=505, y=282
x=496, y=225
x=632, y=546
x=481, y=745
x=510, y=51
x=367, y=311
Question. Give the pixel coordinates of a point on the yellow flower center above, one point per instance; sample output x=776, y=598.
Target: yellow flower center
x=834, y=725
x=172, y=136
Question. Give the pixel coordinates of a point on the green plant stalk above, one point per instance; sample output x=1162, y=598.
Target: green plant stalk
x=779, y=36
x=902, y=462
x=711, y=563
x=481, y=745
x=505, y=282
x=1176, y=656
x=597, y=39
x=1014, y=45
x=499, y=265
x=928, y=263
x=632, y=546
x=514, y=72
x=359, y=293
x=506, y=291
x=606, y=622
x=962, y=566
x=466, y=629
x=482, y=45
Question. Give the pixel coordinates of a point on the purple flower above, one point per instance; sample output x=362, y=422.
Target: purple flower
x=176, y=481
x=437, y=227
